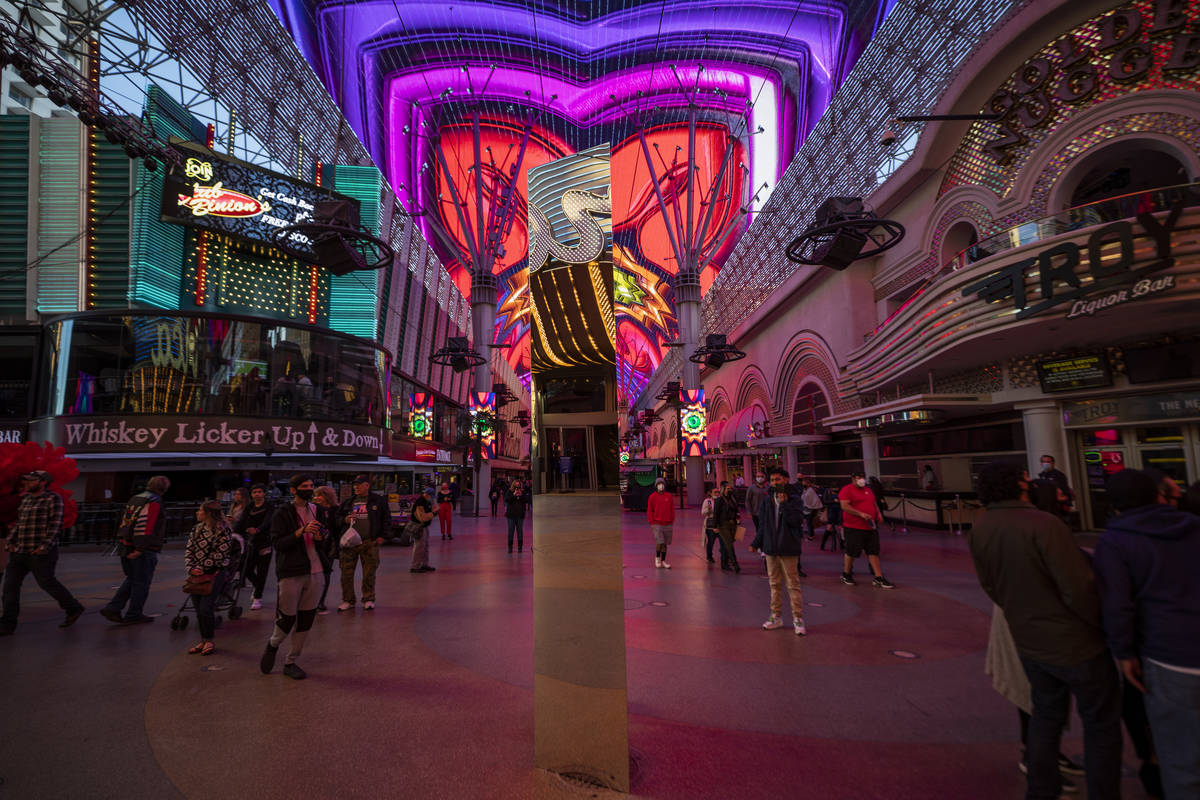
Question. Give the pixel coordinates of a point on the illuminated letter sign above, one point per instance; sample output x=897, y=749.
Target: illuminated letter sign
x=420, y=415
x=221, y=202
x=482, y=406
x=693, y=423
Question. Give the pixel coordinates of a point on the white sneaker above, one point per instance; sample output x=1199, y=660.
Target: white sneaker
x=774, y=623
x=345, y=607
x=256, y=605
x=658, y=562
x=369, y=605
x=665, y=565
x=800, y=629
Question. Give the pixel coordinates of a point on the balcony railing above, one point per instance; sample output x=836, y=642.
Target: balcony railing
x=1027, y=233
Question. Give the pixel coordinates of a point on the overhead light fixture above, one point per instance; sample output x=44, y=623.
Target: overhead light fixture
x=840, y=235
x=716, y=352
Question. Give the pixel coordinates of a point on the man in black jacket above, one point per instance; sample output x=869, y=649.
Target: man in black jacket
x=254, y=526
x=1029, y=565
x=372, y=519
x=516, y=501
x=298, y=537
x=779, y=533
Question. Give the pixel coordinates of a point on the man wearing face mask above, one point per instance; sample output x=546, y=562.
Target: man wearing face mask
x=300, y=565
x=660, y=512
x=860, y=523
x=1049, y=490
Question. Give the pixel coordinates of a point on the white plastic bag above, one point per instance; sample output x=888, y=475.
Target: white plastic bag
x=351, y=538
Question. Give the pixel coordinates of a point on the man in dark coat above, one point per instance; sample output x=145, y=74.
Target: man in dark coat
x=516, y=502
x=779, y=533
x=1145, y=563
x=1030, y=565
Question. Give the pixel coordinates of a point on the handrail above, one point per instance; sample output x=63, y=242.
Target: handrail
x=1088, y=215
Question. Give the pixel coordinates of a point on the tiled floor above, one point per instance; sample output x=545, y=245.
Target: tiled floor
x=430, y=695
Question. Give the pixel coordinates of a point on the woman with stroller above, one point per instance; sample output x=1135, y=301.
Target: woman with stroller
x=209, y=552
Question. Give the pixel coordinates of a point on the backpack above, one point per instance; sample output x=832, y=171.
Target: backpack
x=135, y=509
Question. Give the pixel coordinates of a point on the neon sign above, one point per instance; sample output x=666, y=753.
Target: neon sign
x=693, y=422
x=482, y=406
x=420, y=415
x=222, y=202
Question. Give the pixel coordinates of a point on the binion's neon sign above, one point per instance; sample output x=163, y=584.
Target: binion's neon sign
x=221, y=202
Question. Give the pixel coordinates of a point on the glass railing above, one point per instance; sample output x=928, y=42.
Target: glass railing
x=1086, y=216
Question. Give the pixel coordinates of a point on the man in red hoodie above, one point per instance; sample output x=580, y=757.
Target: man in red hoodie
x=660, y=511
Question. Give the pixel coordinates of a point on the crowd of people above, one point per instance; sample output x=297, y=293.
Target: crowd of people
x=306, y=537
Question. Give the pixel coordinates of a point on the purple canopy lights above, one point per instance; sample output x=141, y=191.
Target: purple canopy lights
x=408, y=74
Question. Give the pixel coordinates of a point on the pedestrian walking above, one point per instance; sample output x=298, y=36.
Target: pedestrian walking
x=833, y=519
x=726, y=514
x=778, y=477
x=708, y=515
x=298, y=538
x=756, y=493
x=209, y=551
x=860, y=522
x=422, y=513
x=1029, y=564
x=363, y=522
x=33, y=548
x=141, y=534
x=496, y=494
x=238, y=506
x=254, y=527
x=660, y=512
x=516, y=505
x=325, y=498
x=810, y=500
x=445, y=511
x=778, y=536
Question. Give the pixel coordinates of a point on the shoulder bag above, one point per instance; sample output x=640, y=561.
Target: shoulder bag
x=199, y=584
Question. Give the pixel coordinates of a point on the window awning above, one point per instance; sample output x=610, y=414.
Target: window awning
x=738, y=427
x=713, y=434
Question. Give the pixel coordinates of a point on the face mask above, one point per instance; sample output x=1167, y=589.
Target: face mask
x=860, y=483
x=1047, y=466
x=660, y=487
x=304, y=494
x=758, y=480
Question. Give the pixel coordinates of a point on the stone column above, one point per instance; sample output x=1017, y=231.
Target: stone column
x=748, y=469
x=1044, y=436
x=722, y=471
x=687, y=306
x=483, y=319
x=791, y=459
x=870, y=449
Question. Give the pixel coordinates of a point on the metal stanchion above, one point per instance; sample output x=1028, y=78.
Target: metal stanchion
x=903, y=514
x=958, y=512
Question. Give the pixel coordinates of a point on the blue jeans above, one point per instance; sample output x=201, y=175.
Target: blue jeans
x=206, y=607
x=1097, y=691
x=42, y=567
x=139, y=572
x=516, y=525
x=1173, y=705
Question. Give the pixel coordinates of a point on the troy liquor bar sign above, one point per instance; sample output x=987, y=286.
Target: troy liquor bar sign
x=164, y=434
x=1090, y=276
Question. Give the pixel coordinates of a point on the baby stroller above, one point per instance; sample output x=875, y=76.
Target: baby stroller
x=228, y=599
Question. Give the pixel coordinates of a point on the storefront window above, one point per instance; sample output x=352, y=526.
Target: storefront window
x=1102, y=438
x=205, y=365
x=1161, y=435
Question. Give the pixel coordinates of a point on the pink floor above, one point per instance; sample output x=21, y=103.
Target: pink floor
x=430, y=695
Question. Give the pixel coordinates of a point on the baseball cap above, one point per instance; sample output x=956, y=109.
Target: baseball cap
x=40, y=474
x=429, y=490
x=362, y=477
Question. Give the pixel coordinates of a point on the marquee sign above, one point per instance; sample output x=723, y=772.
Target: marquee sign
x=420, y=415
x=1122, y=47
x=693, y=422
x=483, y=404
x=1071, y=273
x=225, y=195
x=152, y=434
